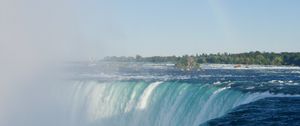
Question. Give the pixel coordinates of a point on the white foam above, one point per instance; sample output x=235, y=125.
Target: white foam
x=232, y=66
x=144, y=100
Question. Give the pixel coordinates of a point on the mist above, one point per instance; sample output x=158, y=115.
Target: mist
x=36, y=37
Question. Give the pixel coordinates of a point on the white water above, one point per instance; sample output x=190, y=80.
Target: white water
x=93, y=103
x=143, y=102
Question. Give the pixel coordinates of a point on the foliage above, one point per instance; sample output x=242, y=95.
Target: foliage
x=259, y=58
x=188, y=63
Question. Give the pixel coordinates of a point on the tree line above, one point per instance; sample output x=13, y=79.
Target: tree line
x=258, y=58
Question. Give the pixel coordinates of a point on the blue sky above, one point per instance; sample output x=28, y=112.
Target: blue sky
x=177, y=27
x=98, y=28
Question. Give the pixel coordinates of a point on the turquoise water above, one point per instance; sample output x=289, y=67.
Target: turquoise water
x=158, y=103
x=155, y=95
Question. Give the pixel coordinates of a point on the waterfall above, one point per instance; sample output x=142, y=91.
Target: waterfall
x=92, y=103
